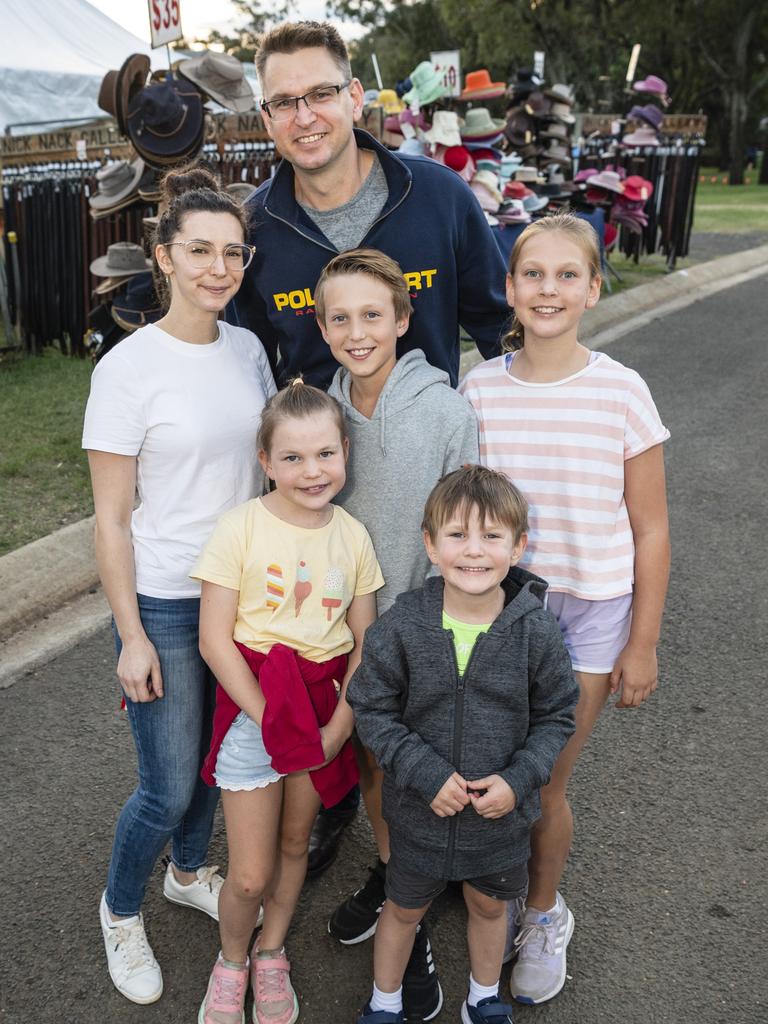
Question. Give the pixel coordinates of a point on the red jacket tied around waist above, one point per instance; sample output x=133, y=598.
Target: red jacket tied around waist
x=300, y=697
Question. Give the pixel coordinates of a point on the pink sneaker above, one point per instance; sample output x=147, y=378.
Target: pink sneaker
x=274, y=1001
x=225, y=999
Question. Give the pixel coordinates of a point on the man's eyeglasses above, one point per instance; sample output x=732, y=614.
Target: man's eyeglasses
x=202, y=255
x=315, y=99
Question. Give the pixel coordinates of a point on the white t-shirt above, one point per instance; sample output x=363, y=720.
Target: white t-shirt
x=190, y=413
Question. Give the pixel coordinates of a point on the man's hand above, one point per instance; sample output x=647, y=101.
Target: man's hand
x=451, y=797
x=492, y=797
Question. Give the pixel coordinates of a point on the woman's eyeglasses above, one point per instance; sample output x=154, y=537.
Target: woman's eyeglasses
x=202, y=255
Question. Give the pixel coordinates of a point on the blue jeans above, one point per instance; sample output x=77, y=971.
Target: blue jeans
x=172, y=736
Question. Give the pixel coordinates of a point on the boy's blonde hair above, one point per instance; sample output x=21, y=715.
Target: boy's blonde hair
x=374, y=264
x=577, y=230
x=297, y=401
x=494, y=495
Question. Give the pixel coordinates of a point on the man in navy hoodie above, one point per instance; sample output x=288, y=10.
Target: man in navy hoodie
x=336, y=188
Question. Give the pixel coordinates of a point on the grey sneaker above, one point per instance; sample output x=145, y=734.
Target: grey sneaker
x=539, y=973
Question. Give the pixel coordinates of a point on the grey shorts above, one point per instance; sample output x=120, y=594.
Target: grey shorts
x=412, y=890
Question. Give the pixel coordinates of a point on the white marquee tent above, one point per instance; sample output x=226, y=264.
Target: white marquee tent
x=53, y=56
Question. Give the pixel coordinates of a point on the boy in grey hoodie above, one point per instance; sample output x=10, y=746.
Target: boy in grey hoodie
x=466, y=695
x=407, y=428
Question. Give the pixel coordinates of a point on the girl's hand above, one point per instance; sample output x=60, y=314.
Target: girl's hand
x=138, y=669
x=332, y=743
x=497, y=799
x=451, y=797
x=636, y=674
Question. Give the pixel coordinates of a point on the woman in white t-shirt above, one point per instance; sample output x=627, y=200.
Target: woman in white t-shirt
x=172, y=417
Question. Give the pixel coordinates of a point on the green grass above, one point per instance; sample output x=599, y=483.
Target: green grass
x=731, y=210
x=44, y=481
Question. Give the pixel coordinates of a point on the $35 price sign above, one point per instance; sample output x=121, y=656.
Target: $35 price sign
x=164, y=21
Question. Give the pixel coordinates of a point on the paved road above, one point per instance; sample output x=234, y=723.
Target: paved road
x=668, y=874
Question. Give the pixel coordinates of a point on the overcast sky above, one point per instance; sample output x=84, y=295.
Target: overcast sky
x=197, y=16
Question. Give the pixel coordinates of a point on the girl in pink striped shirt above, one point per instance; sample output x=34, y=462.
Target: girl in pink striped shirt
x=579, y=434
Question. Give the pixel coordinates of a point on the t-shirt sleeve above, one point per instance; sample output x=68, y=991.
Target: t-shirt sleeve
x=223, y=557
x=114, y=416
x=642, y=427
x=369, y=576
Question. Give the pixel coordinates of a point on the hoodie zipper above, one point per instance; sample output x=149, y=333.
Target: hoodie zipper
x=458, y=734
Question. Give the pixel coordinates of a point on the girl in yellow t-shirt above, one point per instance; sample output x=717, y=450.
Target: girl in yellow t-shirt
x=288, y=583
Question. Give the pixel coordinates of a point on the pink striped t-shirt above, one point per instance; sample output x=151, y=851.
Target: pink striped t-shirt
x=564, y=445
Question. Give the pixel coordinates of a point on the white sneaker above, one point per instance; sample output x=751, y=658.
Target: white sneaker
x=132, y=966
x=539, y=973
x=202, y=894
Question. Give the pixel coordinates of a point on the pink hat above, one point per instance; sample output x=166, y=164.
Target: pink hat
x=655, y=87
x=609, y=180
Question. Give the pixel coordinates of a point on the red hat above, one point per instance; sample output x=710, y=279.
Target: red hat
x=516, y=190
x=637, y=189
x=478, y=86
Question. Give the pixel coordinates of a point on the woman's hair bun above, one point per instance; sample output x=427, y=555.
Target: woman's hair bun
x=176, y=183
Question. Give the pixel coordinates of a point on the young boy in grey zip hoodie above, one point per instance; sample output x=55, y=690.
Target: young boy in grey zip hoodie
x=466, y=696
x=407, y=428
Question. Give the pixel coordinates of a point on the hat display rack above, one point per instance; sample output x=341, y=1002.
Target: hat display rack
x=646, y=146
x=69, y=216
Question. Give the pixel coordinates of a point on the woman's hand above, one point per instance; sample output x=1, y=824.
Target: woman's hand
x=138, y=669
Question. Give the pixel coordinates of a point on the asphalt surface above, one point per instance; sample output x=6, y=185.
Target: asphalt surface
x=667, y=878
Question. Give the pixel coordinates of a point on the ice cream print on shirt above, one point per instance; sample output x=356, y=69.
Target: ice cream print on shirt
x=302, y=588
x=333, y=588
x=275, y=586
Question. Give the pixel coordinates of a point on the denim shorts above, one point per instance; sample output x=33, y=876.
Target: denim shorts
x=595, y=632
x=243, y=762
x=412, y=890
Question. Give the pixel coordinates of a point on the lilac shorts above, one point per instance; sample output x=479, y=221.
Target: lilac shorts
x=595, y=632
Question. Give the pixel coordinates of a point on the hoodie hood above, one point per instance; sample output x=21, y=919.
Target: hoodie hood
x=411, y=377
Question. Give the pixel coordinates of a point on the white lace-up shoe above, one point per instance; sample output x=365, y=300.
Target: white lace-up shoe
x=202, y=894
x=132, y=966
x=539, y=973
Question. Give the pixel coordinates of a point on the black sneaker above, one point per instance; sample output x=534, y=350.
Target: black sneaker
x=422, y=995
x=356, y=918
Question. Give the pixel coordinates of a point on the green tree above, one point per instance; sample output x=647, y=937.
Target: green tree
x=255, y=18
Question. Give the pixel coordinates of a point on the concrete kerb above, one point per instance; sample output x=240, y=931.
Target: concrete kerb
x=50, y=588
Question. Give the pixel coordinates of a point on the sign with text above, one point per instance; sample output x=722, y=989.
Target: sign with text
x=164, y=21
x=449, y=62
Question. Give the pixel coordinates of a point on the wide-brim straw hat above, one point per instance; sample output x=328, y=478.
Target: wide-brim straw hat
x=480, y=126
x=222, y=77
x=641, y=137
x=123, y=259
x=478, y=86
x=609, y=180
x=427, y=85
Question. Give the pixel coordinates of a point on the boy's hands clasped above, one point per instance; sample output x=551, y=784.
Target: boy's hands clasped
x=491, y=797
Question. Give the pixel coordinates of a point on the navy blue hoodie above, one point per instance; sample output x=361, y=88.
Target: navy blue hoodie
x=431, y=224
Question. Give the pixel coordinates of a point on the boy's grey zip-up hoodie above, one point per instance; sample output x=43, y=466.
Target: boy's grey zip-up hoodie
x=420, y=429
x=510, y=714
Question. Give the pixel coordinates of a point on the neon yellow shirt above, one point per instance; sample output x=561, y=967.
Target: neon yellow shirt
x=465, y=636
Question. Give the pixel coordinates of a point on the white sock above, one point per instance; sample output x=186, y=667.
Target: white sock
x=548, y=913
x=391, y=1002
x=478, y=991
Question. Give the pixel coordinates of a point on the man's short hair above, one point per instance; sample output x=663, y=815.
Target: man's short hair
x=374, y=264
x=494, y=495
x=302, y=35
